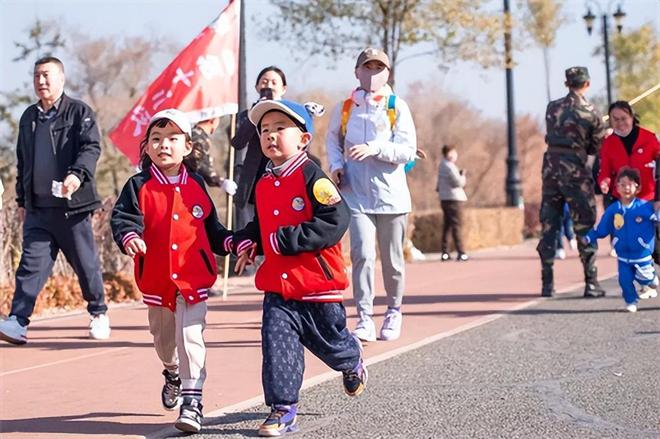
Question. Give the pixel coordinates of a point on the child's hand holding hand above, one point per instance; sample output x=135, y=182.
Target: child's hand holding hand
x=605, y=185
x=362, y=151
x=245, y=258
x=135, y=246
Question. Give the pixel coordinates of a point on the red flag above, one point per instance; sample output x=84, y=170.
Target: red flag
x=202, y=81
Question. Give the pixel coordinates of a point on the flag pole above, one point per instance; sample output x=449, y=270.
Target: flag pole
x=232, y=131
x=230, y=205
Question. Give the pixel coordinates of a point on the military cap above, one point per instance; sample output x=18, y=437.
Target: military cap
x=577, y=75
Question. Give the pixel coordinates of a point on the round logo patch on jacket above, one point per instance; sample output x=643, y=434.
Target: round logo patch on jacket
x=298, y=204
x=325, y=192
x=197, y=211
x=618, y=221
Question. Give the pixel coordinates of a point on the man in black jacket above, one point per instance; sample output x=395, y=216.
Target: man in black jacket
x=57, y=150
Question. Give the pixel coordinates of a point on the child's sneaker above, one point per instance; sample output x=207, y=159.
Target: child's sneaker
x=444, y=256
x=560, y=254
x=631, y=307
x=190, y=416
x=355, y=381
x=365, y=330
x=391, y=329
x=282, y=419
x=12, y=331
x=462, y=257
x=647, y=292
x=171, y=393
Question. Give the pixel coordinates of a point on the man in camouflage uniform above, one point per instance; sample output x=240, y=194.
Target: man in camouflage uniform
x=200, y=159
x=574, y=132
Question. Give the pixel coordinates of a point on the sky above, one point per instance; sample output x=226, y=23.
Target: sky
x=182, y=20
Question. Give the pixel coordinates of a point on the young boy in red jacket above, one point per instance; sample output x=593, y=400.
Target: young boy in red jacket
x=166, y=221
x=299, y=222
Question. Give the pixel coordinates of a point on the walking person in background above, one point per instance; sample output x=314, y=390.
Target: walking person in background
x=450, y=187
x=575, y=131
x=567, y=231
x=250, y=160
x=200, y=160
x=57, y=150
x=371, y=136
x=633, y=146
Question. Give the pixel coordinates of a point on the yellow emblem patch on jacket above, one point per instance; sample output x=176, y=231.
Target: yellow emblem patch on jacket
x=325, y=192
x=618, y=221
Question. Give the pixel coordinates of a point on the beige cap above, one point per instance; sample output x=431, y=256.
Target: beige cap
x=371, y=54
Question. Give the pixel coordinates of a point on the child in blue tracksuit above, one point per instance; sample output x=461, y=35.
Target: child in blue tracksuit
x=630, y=221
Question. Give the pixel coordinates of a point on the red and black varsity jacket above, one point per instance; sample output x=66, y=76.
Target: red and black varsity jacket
x=613, y=156
x=299, y=222
x=180, y=227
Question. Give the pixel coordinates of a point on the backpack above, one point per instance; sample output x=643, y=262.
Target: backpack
x=348, y=106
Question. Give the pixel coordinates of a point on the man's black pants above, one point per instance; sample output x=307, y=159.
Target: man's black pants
x=46, y=231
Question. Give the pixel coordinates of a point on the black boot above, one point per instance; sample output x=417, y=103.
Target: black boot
x=547, y=278
x=592, y=288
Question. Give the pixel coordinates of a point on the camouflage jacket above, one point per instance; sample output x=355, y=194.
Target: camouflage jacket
x=200, y=160
x=572, y=122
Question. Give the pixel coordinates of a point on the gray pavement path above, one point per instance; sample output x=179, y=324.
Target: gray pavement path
x=567, y=367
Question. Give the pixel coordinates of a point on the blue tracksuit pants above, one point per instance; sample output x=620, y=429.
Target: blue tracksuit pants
x=287, y=327
x=640, y=272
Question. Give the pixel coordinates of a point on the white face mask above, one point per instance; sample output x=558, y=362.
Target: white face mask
x=372, y=81
x=621, y=133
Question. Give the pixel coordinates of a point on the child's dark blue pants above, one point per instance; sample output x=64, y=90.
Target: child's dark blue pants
x=287, y=326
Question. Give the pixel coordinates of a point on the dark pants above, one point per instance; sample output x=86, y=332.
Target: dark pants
x=45, y=232
x=567, y=180
x=452, y=214
x=287, y=326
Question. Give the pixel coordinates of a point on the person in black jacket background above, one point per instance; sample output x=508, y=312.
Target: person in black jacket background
x=57, y=150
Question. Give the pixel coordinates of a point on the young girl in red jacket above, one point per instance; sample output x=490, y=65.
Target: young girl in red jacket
x=299, y=222
x=165, y=220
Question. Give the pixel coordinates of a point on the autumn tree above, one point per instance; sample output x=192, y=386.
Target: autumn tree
x=542, y=19
x=457, y=29
x=637, y=55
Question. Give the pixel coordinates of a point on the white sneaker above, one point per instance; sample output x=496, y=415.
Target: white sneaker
x=573, y=244
x=12, y=331
x=631, y=307
x=99, y=327
x=647, y=292
x=391, y=329
x=416, y=254
x=365, y=329
x=560, y=253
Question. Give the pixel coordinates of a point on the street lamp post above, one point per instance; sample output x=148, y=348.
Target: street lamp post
x=589, y=19
x=513, y=185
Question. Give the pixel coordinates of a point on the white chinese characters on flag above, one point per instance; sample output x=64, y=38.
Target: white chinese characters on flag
x=202, y=81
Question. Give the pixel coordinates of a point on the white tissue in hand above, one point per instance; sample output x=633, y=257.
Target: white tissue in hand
x=57, y=189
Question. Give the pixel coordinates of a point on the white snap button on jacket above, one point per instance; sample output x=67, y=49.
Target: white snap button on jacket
x=174, y=246
x=174, y=275
x=284, y=276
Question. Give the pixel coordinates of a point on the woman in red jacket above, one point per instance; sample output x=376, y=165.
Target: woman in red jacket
x=629, y=145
